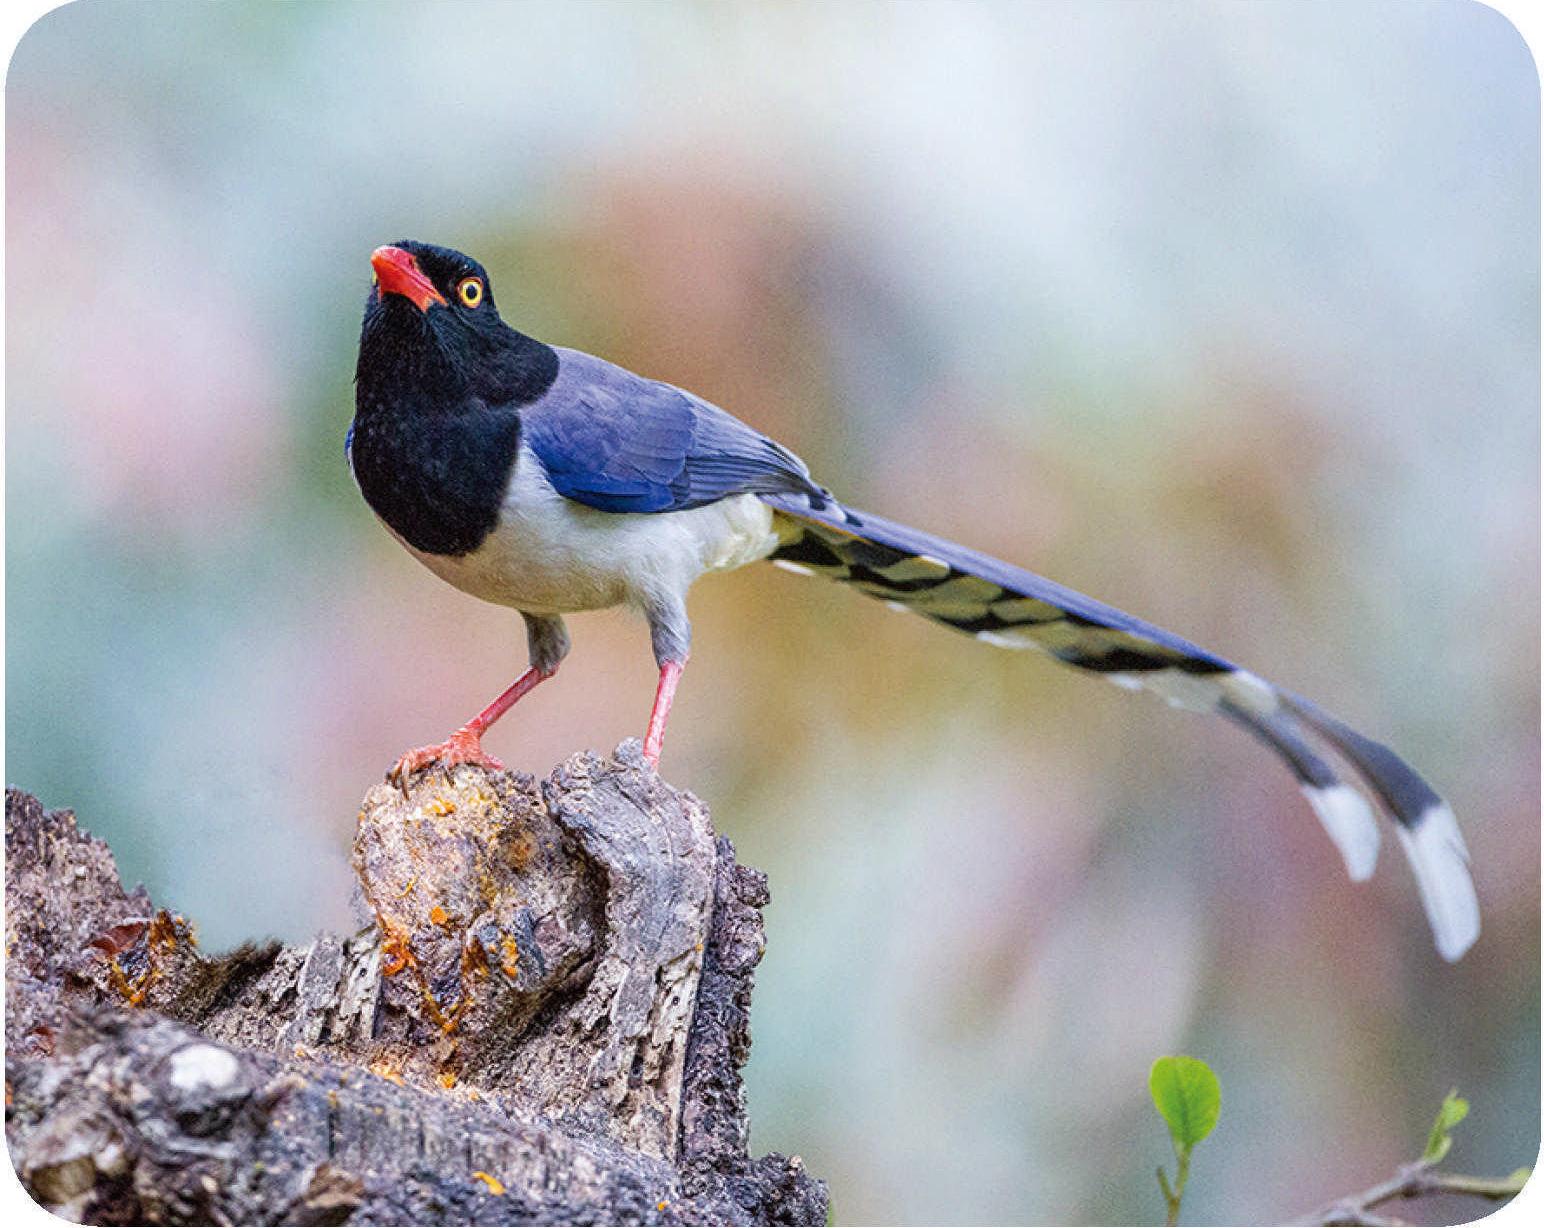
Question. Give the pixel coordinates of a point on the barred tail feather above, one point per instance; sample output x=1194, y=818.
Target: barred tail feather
x=1012, y=608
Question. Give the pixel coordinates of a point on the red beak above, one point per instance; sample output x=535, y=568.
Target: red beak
x=399, y=273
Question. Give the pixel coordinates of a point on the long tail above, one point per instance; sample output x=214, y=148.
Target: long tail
x=1012, y=608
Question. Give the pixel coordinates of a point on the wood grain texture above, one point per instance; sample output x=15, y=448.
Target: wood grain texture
x=542, y=1020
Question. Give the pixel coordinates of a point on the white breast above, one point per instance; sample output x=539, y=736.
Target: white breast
x=550, y=555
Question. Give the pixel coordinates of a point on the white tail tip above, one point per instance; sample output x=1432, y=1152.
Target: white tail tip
x=1346, y=816
x=1441, y=864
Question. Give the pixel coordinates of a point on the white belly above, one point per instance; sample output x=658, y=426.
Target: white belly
x=550, y=555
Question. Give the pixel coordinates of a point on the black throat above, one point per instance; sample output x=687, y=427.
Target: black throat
x=436, y=432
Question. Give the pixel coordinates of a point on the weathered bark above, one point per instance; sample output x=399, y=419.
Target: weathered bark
x=543, y=1021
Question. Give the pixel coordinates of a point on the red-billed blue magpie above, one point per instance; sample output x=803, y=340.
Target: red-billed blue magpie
x=551, y=481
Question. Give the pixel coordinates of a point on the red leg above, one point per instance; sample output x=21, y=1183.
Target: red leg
x=465, y=745
x=664, y=695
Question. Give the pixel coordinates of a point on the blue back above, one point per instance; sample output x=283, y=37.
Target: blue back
x=619, y=442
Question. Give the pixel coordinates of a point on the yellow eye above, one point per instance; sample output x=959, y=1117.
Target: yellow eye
x=470, y=290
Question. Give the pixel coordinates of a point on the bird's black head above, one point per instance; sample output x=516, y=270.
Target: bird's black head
x=423, y=275
x=438, y=394
x=432, y=336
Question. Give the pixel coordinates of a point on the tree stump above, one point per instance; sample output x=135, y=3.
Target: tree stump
x=543, y=1020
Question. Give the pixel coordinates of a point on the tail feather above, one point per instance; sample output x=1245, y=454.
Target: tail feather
x=1004, y=605
x=1342, y=811
x=1426, y=825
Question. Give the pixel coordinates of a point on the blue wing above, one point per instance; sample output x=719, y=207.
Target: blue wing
x=618, y=442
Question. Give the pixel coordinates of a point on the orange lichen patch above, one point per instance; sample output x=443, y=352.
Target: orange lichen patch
x=385, y=1070
x=132, y=992
x=474, y=965
x=473, y=1094
x=119, y=939
x=398, y=953
x=163, y=930
x=446, y=1020
x=495, y=1186
x=302, y=1051
x=406, y=888
x=440, y=807
x=662, y=1205
x=511, y=961
x=447, y=1079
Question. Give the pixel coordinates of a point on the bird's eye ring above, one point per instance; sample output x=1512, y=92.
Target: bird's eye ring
x=470, y=291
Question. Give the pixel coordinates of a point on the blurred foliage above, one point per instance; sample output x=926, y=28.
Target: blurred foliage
x=1186, y=1093
x=1440, y=1141
x=1448, y=1196
x=1188, y=1097
x=1227, y=314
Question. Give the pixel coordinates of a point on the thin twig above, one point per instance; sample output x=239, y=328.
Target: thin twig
x=1418, y=1180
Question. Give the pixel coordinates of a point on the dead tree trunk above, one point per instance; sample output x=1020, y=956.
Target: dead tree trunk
x=543, y=1021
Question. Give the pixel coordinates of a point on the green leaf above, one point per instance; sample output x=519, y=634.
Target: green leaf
x=1454, y=1109
x=1187, y=1094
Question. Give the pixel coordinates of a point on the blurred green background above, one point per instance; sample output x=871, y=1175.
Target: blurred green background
x=1227, y=314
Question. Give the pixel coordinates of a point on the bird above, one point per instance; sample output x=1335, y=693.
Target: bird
x=551, y=481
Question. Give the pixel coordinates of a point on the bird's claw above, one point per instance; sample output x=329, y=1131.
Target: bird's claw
x=462, y=746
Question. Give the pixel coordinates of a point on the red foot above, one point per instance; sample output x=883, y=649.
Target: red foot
x=463, y=746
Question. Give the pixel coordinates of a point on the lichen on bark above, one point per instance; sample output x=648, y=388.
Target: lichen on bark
x=542, y=1019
